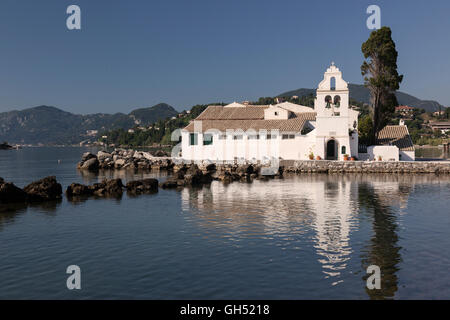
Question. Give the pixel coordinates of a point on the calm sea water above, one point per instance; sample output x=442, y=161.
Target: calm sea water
x=302, y=237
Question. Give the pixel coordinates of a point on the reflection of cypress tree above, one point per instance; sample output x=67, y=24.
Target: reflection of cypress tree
x=383, y=250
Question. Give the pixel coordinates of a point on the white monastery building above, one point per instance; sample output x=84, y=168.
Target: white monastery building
x=287, y=131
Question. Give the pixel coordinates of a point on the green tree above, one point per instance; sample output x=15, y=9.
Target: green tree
x=365, y=127
x=381, y=77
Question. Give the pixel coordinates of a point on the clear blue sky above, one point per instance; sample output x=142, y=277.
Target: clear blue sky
x=138, y=53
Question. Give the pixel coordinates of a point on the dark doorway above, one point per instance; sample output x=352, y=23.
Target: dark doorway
x=331, y=150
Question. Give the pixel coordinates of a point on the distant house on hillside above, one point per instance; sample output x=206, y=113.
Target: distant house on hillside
x=444, y=127
x=91, y=133
x=438, y=113
x=404, y=110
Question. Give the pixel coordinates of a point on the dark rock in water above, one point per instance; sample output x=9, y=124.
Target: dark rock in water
x=10, y=193
x=245, y=169
x=226, y=177
x=206, y=178
x=142, y=186
x=194, y=176
x=91, y=164
x=179, y=175
x=194, y=170
x=108, y=188
x=193, y=179
x=5, y=146
x=44, y=190
x=76, y=189
x=170, y=184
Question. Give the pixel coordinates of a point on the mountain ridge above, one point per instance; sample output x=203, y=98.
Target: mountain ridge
x=51, y=125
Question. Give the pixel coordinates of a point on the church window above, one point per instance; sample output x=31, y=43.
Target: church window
x=193, y=138
x=207, y=139
x=333, y=83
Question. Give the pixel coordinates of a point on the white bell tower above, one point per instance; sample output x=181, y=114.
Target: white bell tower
x=334, y=118
x=332, y=94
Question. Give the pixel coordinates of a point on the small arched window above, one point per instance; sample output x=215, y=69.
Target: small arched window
x=343, y=150
x=333, y=83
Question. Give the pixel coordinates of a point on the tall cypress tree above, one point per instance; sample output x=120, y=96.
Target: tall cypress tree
x=381, y=77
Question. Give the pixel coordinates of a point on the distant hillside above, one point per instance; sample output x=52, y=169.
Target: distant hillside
x=50, y=125
x=360, y=93
x=153, y=114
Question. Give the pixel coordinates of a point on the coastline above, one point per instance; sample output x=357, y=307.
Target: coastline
x=137, y=160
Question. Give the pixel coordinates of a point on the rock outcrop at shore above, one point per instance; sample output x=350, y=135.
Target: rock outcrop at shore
x=5, y=146
x=142, y=186
x=198, y=175
x=124, y=159
x=10, y=193
x=106, y=188
x=46, y=189
x=112, y=188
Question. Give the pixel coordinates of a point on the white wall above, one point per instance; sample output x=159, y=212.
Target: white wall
x=408, y=156
x=249, y=149
x=387, y=153
x=276, y=113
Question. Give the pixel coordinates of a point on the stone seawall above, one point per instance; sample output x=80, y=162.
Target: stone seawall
x=324, y=166
x=136, y=160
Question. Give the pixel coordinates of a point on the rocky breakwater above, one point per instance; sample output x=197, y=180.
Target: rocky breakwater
x=330, y=167
x=198, y=175
x=111, y=188
x=46, y=189
x=124, y=159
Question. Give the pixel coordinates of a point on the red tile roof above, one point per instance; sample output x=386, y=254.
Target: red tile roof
x=248, y=118
x=397, y=136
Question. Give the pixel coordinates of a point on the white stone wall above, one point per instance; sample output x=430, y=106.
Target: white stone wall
x=387, y=153
x=230, y=149
x=276, y=113
x=407, y=155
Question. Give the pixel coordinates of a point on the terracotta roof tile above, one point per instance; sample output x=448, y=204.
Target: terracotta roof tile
x=294, y=124
x=397, y=136
x=230, y=113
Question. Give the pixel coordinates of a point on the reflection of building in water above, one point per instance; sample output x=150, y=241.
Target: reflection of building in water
x=283, y=210
x=335, y=216
x=288, y=211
